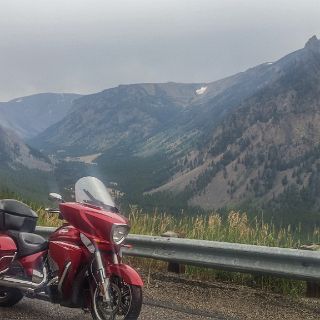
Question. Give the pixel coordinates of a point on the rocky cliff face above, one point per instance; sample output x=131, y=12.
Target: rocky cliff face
x=14, y=153
x=266, y=146
x=23, y=169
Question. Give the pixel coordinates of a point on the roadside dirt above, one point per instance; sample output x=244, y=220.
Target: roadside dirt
x=225, y=301
x=172, y=297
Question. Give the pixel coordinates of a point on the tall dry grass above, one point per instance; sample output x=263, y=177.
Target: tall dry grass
x=235, y=227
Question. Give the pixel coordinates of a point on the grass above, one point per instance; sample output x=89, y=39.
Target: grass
x=44, y=219
x=235, y=227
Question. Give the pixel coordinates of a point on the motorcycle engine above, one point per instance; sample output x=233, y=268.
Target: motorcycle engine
x=52, y=288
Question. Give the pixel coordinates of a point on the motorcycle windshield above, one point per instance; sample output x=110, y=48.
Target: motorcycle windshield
x=92, y=191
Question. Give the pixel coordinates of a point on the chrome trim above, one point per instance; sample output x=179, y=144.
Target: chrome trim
x=13, y=257
x=87, y=243
x=23, y=284
x=115, y=258
x=104, y=280
x=55, y=197
x=4, y=271
x=52, y=281
x=65, y=272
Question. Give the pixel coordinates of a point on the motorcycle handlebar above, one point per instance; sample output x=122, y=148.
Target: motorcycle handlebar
x=54, y=211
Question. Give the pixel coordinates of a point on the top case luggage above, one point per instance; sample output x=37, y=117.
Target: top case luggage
x=15, y=215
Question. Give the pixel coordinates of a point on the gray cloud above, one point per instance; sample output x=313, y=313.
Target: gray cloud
x=89, y=45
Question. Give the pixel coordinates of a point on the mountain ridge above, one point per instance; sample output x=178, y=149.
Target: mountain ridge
x=30, y=115
x=219, y=96
x=246, y=138
x=266, y=147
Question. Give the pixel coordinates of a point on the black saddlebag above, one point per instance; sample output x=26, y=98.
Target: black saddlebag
x=15, y=215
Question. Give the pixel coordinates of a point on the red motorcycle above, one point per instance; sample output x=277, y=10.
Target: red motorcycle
x=80, y=266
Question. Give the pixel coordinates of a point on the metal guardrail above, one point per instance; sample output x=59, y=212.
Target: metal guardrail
x=281, y=262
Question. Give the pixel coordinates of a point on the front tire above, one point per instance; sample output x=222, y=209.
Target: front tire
x=126, y=304
x=9, y=296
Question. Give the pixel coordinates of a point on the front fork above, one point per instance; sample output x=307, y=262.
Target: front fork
x=104, y=281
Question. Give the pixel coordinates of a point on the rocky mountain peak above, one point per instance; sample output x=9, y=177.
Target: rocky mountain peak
x=313, y=43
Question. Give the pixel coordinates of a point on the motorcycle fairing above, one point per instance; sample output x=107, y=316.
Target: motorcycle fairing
x=92, y=221
x=33, y=262
x=128, y=274
x=68, y=258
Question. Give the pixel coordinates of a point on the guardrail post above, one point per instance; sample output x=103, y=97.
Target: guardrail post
x=313, y=287
x=173, y=266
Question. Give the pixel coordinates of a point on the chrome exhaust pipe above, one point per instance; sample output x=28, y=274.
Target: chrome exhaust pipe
x=21, y=284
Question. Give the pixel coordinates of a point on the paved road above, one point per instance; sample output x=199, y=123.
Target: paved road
x=37, y=310
x=170, y=297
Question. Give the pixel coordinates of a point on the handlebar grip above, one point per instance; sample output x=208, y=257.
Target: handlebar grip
x=52, y=210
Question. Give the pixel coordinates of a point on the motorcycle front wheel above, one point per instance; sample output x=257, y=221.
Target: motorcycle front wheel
x=126, y=301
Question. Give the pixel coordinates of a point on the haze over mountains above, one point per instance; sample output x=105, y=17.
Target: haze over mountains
x=162, y=112
x=22, y=169
x=28, y=116
x=269, y=147
x=252, y=139
x=15, y=153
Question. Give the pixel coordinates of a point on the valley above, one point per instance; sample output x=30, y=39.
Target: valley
x=249, y=141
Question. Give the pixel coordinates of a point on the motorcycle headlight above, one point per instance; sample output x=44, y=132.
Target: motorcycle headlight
x=119, y=233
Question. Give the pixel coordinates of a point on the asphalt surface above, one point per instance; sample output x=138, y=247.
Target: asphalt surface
x=29, y=309
x=170, y=297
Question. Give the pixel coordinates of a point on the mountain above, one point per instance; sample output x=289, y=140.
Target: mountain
x=15, y=153
x=127, y=114
x=250, y=140
x=266, y=152
x=144, y=116
x=22, y=168
x=28, y=116
x=137, y=134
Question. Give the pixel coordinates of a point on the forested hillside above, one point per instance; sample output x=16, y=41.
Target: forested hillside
x=249, y=141
x=22, y=168
x=265, y=154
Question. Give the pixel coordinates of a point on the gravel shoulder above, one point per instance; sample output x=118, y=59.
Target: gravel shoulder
x=227, y=301
x=170, y=297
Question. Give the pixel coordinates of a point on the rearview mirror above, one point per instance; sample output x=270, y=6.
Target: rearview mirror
x=55, y=197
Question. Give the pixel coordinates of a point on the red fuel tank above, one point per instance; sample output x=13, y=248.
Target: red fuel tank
x=8, y=250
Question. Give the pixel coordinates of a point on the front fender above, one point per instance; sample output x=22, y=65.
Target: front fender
x=128, y=274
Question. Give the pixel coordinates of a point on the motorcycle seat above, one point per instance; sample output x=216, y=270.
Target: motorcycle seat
x=28, y=243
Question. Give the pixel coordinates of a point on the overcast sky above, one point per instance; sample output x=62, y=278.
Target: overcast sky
x=85, y=46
